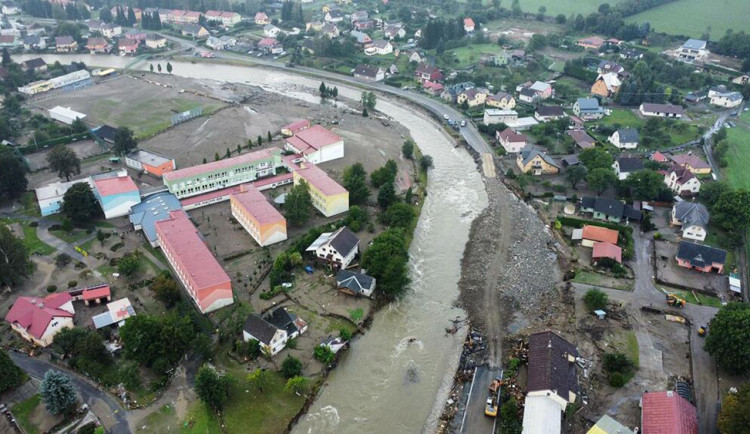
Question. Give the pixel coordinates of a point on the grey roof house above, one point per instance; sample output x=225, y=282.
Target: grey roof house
x=588, y=108
x=355, y=283
x=624, y=166
x=625, y=138
x=273, y=329
x=693, y=217
x=612, y=210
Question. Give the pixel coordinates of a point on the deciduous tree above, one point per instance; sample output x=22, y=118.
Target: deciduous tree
x=732, y=211
x=212, y=388
x=729, y=339
x=291, y=367
x=734, y=416
x=601, y=179
x=10, y=374
x=79, y=204
x=64, y=161
x=298, y=204
x=12, y=174
x=596, y=158
x=355, y=181
x=124, y=141
x=575, y=174
x=407, y=149
x=14, y=259
x=387, y=195
x=259, y=379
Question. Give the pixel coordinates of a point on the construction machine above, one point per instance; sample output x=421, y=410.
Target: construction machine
x=702, y=331
x=493, y=398
x=675, y=300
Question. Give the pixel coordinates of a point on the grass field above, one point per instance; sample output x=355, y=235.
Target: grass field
x=555, y=7
x=622, y=117
x=693, y=17
x=626, y=118
x=469, y=55
x=30, y=239
x=738, y=157
x=23, y=411
x=595, y=279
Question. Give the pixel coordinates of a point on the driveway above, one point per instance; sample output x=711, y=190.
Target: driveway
x=101, y=403
x=42, y=231
x=474, y=421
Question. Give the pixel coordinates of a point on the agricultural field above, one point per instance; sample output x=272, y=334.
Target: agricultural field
x=738, y=157
x=693, y=17
x=567, y=7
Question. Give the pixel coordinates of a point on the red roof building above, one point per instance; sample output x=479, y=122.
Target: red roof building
x=327, y=195
x=259, y=218
x=658, y=157
x=294, y=127
x=468, y=24
x=126, y=45
x=599, y=234
x=668, y=413
x=116, y=185
x=607, y=250
x=39, y=319
x=96, y=294
x=317, y=144
x=205, y=281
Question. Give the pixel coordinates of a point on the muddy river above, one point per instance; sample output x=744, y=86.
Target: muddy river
x=397, y=376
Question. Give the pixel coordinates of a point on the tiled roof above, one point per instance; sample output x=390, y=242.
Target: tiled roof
x=257, y=206
x=663, y=108
x=34, y=314
x=700, y=255
x=296, y=125
x=319, y=179
x=528, y=154
x=582, y=138
x=689, y=159
x=598, y=233
x=116, y=185
x=628, y=135
x=607, y=250
x=629, y=164
x=356, y=282
x=550, y=367
x=227, y=163
x=96, y=292
x=312, y=139
x=190, y=250
x=691, y=214
x=344, y=241
x=546, y=111
x=509, y=135
x=668, y=412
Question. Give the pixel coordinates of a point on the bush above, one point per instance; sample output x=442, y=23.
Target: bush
x=72, y=284
x=291, y=367
x=595, y=299
x=52, y=288
x=291, y=343
x=323, y=354
x=62, y=260
x=617, y=380
x=117, y=246
x=345, y=334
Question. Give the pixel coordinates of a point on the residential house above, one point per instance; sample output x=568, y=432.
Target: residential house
x=427, y=72
x=606, y=85
x=369, y=72
x=98, y=45
x=588, y=109
x=659, y=157
x=607, y=425
x=273, y=330
x=335, y=344
x=35, y=64
x=334, y=16
x=214, y=43
x=549, y=113
x=552, y=382
x=692, y=162
x=379, y=47
x=38, y=320
x=194, y=30
x=292, y=129
x=361, y=37
x=433, y=88
x=495, y=116
x=261, y=19
x=511, y=141
x=259, y=218
x=542, y=90
x=327, y=196
x=337, y=249
x=155, y=41
x=358, y=16
x=34, y=42
x=364, y=25
x=700, y=257
x=667, y=412
x=10, y=8
x=110, y=30
x=624, y=138
x=582, y=138
x=127, y=46
x=693, y=49
x=692, y=217
x=741, y=80
x=227, y=19
x=536, y=162
x=193, y=263
x=624, y=166
x=271, y=31
x=695, y=97
x=631, y=53
x=150, y=162
x=606, y=250
x=414, y=56
x=609, y=66
x=468, y=25
x=662, y=110
x=316, y=144
x=270, y=46
x=501, y=100
x=726, y=99
x=330, y=30
x=451, y=92
x=314, y=26
x=473, y=97
x=116, y=193
x=65, y=44
x=592, y=43
x=682, y=181
x=393, y=31
x=353, y=283
x=608, y=209
x=591, y=235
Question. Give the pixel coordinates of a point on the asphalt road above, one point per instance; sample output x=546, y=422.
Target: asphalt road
x=474, y=421
x=469, y=132
x=106, y=407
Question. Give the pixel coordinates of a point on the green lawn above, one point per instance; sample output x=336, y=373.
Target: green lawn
x=688, y=296
x=633, y=351
x=626, y=118
x=595, y=279
x=470, y=54
x=23, y=411
x=30, y=205
x=71, y=238
x=555, y=7
x=30, y=239
x=622, y=117
x=738, y=156
x=693, y=17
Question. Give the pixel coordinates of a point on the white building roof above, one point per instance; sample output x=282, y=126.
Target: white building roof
x=66, y=112
x=541, y=415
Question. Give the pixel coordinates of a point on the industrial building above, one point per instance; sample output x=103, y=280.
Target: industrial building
x=65, y=115
x=205, y=281
x=259, y=218
x=327, y=195
x=195, y=180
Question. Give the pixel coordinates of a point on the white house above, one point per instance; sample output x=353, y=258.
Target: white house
x=495, y=116
x=353, y=283
x=625, y=138
x=726, y=99
x=662, y=110
x=380, y=48
x=511, y=141
x=693, y=49
x=317, y=144
x=692, y=217
x=336, y=248
x=39, y=319
x=682, y=181
x=624, y=166
x=273, y=330
x=271, y=31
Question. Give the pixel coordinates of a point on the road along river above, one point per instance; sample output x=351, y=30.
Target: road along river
x=396, y=377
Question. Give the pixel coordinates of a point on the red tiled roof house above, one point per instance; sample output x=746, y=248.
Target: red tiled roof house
x=259, y=218
x=668, y=413
x=39, y=319
x=205, y=281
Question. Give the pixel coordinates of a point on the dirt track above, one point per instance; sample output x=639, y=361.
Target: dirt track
x=510, y=273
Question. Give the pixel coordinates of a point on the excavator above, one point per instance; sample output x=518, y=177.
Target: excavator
x=493, y=398
x=675, y=300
